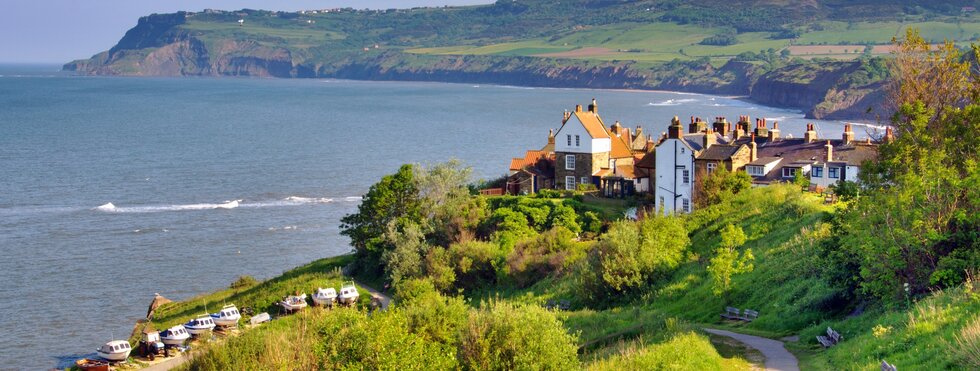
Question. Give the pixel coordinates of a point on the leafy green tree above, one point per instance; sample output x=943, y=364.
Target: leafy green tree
x=404, y=260
x=727, y=260
x=563, y=215
x=394, y=197
x=633, y=253
x=720, y=184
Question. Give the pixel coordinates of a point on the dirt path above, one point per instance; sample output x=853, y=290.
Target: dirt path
x=375, y=294
x=777, y=357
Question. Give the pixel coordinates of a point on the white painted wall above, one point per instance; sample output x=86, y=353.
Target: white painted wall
x=673, y=157
x=587, y=144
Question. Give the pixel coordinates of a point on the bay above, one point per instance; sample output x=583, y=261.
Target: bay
x=113, y=189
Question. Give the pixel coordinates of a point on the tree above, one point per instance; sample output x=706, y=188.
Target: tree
x=633, y=253
x=719, y=185
x=937, y=78
x=727, y=260
x=394, y=197
x=404, y=260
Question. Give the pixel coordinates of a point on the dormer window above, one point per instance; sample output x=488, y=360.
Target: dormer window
x=789, y=172
x=755, y=170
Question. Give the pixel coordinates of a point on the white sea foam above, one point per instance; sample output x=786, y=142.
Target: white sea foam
x=227, y=205
x=672, y=102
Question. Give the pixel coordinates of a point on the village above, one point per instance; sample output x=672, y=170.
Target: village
x=586, y=154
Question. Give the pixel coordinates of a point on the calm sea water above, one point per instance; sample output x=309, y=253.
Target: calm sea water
x=113, y=189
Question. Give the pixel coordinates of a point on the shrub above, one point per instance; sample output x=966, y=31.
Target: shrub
x=502, y=336
x=632, y=253
x=244, y=281
x=548, y=253
x=475, y=263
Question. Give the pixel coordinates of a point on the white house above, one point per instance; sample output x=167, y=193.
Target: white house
x=582, y=147
x=674, y=184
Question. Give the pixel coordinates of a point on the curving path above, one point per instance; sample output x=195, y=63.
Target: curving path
x=777, y=357
x=375, y=294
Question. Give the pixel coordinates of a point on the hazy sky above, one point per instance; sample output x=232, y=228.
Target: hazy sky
x=59, y=31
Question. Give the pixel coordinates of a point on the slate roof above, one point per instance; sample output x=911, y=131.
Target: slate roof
x=720, y=152
x=796, y=152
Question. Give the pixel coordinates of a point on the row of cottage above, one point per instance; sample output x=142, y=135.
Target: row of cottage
x=620, y=161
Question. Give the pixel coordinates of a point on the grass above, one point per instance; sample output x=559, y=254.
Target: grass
x=261, y=297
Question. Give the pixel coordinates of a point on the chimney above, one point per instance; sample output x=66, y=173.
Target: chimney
x=753, y=149
x=675, y=129
x=551, y=136
x=594, y=108
x=578, y=108
x=709, y=138
x=697, y=125
x=742, y=126
x=848, y=134
x=566, y=116
x=638, y=133
x=810, y=135
x=774, y=133
x=721, y=125
x=651, y=145
x=830, y=151
x=889, y=135
x=616, y=128
x=760, y=128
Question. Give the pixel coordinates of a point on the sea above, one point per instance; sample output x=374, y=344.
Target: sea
x=113, y=189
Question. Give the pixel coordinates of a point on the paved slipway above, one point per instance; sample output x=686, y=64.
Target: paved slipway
x=777, y=357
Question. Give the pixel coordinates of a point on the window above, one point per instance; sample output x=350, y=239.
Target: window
x=834, y=173
x=789, y=172
x=687, y=205
x=569, y=162
x=817, y=172
x=577, y=143
x=683, y=150
x=711, y=167
x=570, y=183
x=584, y=180
x=755, y=170
x=686, y=176
x=569, y=140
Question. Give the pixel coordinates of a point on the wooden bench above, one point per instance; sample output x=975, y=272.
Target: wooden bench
x=748, y=315
x=832, y=338
x=732, y=313
x=885, y=366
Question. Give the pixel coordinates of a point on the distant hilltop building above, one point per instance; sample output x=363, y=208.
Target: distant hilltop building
x=585, y=153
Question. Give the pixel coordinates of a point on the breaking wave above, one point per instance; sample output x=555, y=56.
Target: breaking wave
x=672, y=102
x=227, y=205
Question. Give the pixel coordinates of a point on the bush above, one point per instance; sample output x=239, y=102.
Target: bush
x=503, y=336
x=549, y=253
x=244, y=281
x=633, y=253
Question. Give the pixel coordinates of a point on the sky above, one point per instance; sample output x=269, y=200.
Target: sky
x=59, y=31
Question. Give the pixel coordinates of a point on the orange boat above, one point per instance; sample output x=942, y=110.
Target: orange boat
x=92, y=365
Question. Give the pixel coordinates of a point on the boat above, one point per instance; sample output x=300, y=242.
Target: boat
x=324, y=297
x=92, y=365
x=227, y=316
x=116, y=350
x=200, y=325
x=176, y=335
x=348, y=293
x=259, y=318
x=293, y=303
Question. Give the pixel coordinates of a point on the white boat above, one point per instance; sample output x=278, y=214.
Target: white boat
x=116, y=350
x=259, y=318
x=227, y=316
x=176, y=335
x=200, y=325
x=324, y=297
x=348, y=293
x=293, y=303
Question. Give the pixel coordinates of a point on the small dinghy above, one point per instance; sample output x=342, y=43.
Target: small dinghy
x=115, y=351
x=324, y=297
x=293, y=303
x=259, y=319
x=92, y=365
x=176, y=335
x=200, y=325
x=348, y=293
x=227, y=316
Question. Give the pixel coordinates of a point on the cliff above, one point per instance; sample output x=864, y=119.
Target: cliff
x=167, y=45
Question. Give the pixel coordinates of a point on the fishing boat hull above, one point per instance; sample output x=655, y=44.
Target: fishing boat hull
x=92, y=365
x=324, y=297
x=348, y=300
x=176, y=335
x=323, y=301
x=114, y=351
x=115, y=357
x=294, y=303
x=198, y=330
x=227, y=316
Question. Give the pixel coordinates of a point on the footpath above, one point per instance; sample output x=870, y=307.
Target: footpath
x=777, y=357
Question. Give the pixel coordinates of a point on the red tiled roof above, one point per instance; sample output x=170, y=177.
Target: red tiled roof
x=593, y=124
x=530, y=159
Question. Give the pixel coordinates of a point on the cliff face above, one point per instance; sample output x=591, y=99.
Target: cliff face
x=157, y=46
